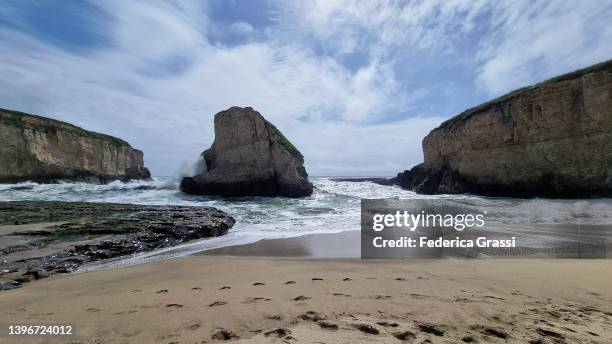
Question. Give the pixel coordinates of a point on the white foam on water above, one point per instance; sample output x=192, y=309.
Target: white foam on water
x=333, y=207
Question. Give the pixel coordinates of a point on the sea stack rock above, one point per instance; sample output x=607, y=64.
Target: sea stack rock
x=249, y=157
x=553, y=139
x=35, y=148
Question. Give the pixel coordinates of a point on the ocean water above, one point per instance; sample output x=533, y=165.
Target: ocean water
x=333, y=207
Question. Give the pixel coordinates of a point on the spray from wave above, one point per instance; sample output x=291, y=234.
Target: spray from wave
x=191, y=168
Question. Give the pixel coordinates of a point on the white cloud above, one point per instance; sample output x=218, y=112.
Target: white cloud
x=241, y=28
x=117, y=90
x=531, y=41
x=159, y=81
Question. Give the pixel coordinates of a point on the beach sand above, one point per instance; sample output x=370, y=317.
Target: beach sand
x=292, y=299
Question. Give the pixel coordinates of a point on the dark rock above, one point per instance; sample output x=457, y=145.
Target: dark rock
x=35, y=148
x=249, y=157
x=375, y=180
x=110, y=230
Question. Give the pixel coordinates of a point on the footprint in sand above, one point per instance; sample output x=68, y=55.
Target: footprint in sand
x=259, y=283
x=365, y=328
x=163, y=291
x=92, y=310
x=431, y=329
x=217, y=303
x=328, y=325
x=255, y=299
x=346, y=279
x=549, y=333
x=468, y=339
x=301, y=298
x=136, y=290
x=312, y=316
x=340, y=294
x=225, y=287
x=387, y=324
x=224, y=334
x=193, y=326
x=400, y=279
x=290, y=282
x=174, y=305
x=196, y=288
x=494, y=332
x=405, y=335
x=317, y=279
x=278, y=332
x=382, y=297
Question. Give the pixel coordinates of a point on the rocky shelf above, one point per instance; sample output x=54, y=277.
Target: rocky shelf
x=42, y=238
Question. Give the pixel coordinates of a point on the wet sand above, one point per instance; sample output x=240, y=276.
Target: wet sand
x=211, y=298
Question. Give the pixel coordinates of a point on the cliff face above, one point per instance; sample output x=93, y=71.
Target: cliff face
x=550, y=139
x=249, y=157
x=45, y=150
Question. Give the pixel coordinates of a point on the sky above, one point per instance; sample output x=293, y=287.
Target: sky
x=355, y=85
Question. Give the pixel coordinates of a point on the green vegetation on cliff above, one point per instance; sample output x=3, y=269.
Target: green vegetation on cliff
x=48, y=125
x=284, y=141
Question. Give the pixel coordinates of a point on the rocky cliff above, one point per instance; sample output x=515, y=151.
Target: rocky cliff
x=551, y=139
x=45, y=150
x=249, y=157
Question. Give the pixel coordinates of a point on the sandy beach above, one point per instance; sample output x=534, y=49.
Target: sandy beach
x=217, y=298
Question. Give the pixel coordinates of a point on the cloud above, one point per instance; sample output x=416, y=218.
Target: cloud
x=241, y=28
x=531, y=41
x=355, y=84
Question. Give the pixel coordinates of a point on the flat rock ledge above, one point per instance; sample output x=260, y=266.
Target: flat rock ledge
x=42, y=238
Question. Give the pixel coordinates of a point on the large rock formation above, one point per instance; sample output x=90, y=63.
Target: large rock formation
x=45, y=150
x=551, y=139
x=249, y=157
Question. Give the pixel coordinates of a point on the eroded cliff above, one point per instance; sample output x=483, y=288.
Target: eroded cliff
x=249, y=157
x=41, y=149
x=551, y=139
